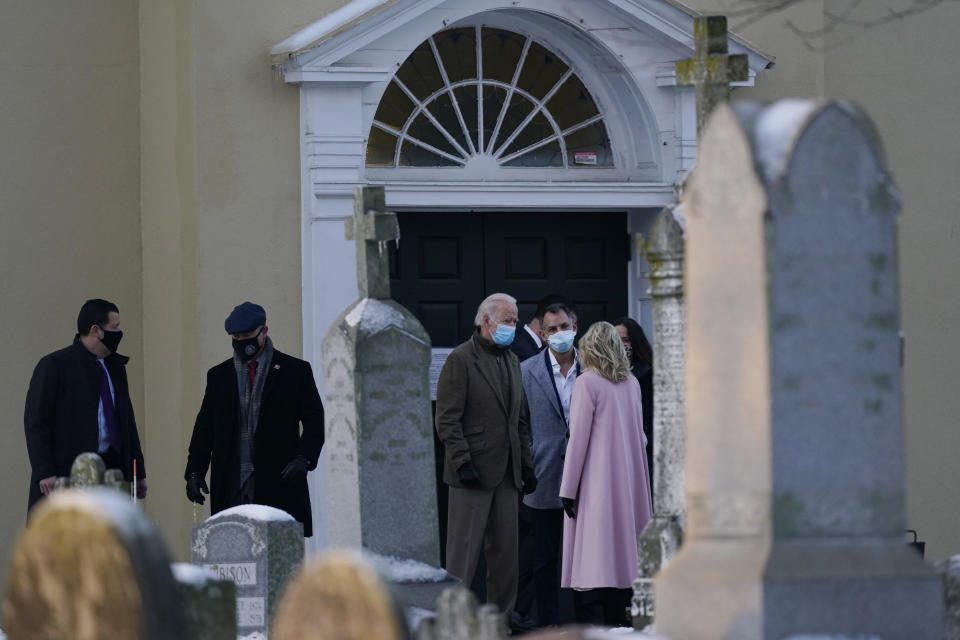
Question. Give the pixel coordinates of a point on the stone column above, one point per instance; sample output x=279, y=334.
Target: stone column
x=794, y=463
x=662, y=537
x=381, y=484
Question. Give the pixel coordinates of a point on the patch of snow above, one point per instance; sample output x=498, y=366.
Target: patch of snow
x=192, y=574
x=2, y=636
x=256, y=635
x=621, y=633
x=679, y=215
x=259, y=512
x=776, y=132
x=415, y=616
x=376, y=316
x=404, y=571
x=804, y=636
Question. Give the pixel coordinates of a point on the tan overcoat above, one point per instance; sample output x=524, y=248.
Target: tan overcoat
x=474, y=420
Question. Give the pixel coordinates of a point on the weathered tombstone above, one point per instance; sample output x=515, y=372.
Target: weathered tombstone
x=209, y=603
x=413, y=584
x=381, y=487
x=949, y=569
x=90, y=566
x=794, y=460
x=257, y=547
x=459, y=618
x=87, y=470
x=338, y=597
x=663, y=535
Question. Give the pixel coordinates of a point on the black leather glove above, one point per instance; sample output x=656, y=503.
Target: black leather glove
x=295, y=470
x=469, y=476
x=570, y=507
x=196, y=487
x=529, y=480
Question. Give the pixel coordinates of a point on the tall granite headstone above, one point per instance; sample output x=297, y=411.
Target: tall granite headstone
x=662, y=537
x=794, y=461
x=90, y=566
x=381, y=487
x=257, y=547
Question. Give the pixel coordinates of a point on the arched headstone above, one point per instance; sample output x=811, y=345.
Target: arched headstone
x=795, y=488
x=90, y=566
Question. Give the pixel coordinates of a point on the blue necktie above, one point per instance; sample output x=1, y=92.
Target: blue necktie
x=109, y=416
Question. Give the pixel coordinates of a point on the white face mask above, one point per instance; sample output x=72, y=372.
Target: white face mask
x=561, y=341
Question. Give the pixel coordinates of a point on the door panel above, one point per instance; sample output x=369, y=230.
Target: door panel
x=447, y=263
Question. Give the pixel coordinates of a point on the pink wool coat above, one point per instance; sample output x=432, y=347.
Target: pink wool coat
x=605, y=468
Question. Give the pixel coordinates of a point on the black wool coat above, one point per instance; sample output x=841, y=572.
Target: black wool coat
x=290, y=398
x=60, y=418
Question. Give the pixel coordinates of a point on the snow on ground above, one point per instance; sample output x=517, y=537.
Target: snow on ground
x=416, y=615
x=404, y=571
x=260, y=512
x=187, y=573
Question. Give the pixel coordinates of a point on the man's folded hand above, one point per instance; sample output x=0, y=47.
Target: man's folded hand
x=196, y=487
x=469, y=476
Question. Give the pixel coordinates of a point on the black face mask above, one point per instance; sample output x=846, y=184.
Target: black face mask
x=248, y=347
x=111, y=339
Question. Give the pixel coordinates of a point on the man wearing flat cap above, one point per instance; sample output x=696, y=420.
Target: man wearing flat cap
x=249, y=426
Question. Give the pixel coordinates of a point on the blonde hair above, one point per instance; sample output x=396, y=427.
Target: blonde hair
x=489, y=306
x=602, y=350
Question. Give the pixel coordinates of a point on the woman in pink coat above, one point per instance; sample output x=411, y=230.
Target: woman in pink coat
x=605, y=487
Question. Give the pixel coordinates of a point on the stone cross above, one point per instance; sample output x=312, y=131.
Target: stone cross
x=371, y=228
x=90, y=565
x=379, y=426
x=795, y=484
x=711, y=70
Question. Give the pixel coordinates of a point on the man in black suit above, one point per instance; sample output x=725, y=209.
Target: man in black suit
x=249, y=423
x=79, y=402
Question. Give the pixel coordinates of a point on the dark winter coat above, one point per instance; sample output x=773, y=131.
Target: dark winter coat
x=290, y=398
x=644, y=374
x=60, y=418
x=474, y=420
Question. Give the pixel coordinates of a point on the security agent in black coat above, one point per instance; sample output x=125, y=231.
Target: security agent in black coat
x=62, y=412
x=280, y=454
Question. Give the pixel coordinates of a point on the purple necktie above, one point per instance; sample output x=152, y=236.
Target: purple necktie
x=109, y=417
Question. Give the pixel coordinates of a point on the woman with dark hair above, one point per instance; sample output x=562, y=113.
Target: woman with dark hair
x=640, y=355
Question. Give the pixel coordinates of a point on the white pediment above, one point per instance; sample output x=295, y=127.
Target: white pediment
x=327, y=49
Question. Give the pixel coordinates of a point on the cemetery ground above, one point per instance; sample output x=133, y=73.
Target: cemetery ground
x=779, y=511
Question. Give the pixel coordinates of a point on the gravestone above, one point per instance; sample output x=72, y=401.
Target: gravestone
x=257, y=547
x=90, y=566
x=663, y=535
x=460, y=618
x=381, y=487
x=794, y=458
x=209, y=603
x=87, y=470
x=949, y=569
x=338, y=596
x=415, y=585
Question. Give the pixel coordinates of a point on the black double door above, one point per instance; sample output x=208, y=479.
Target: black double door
x=447, y=263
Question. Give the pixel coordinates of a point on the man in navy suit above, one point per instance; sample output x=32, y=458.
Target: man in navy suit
x=548, y=380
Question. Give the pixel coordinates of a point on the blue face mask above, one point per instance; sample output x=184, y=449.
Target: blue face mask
x=561, y=341
x=503, y=336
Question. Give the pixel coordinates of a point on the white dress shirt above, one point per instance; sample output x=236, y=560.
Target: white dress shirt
x=564, y=383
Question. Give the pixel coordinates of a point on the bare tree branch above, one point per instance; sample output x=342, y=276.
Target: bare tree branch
x=851, y=16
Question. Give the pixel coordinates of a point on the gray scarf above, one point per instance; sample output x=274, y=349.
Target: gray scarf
x=249, y=411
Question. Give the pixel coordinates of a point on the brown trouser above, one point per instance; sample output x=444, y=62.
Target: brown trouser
x=485, y=518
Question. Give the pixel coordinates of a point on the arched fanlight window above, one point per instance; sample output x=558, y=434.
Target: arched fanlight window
x=488, y=97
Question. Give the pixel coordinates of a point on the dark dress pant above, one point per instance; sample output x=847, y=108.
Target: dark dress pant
x=485, y=519
x=548, y=538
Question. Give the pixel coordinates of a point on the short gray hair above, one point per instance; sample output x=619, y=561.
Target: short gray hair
x=489, y=305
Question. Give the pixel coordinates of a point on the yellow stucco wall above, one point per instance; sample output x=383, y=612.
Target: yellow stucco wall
x=69, y=200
